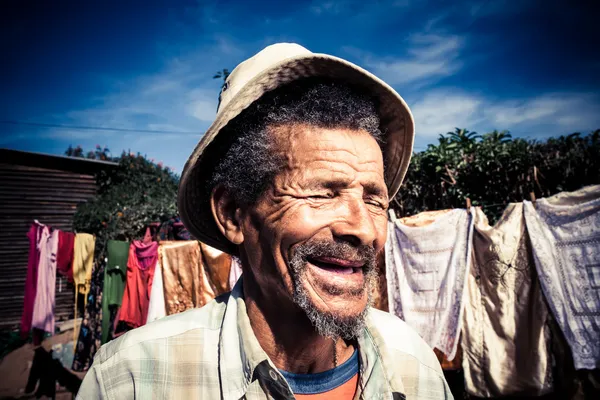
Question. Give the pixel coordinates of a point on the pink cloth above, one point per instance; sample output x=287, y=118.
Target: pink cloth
x=235, y=272
x=43, y=309
x=146, y=254
x=31, y=279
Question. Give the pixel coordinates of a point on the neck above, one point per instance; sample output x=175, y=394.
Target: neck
x=287, y=336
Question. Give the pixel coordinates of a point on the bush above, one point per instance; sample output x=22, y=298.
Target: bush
x=494, y=169
x=130, y=197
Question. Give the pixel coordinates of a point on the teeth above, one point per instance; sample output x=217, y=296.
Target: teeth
x=334, y=268
x=341, y=270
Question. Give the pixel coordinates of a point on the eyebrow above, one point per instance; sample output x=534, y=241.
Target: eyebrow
x=375, y=189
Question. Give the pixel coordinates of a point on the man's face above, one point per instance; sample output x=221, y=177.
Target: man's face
x=313, y=236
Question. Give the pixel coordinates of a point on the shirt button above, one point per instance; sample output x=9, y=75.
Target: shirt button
x=273, y=375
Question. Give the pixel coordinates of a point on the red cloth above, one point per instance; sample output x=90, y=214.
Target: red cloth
x=140, y=274
x=64, y=255
x=31, y=279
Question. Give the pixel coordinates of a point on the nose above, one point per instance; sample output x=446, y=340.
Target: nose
x=355, y=224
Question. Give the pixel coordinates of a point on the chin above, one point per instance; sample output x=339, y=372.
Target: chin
x=342, y=305
x=332, y=283
x=334, y=315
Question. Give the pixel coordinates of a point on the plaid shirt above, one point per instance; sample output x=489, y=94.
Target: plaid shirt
x=212, y=353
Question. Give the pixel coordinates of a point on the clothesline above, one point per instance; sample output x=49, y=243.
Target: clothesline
x=493, y=205
x=142, y=282
x=536, y=264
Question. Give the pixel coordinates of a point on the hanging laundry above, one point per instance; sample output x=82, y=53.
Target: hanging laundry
x=569, y=383
x=64, y=256
x=140, y=273
x=157, y=308
x=173, y=229
x=420, y=220
x=89, y=338
x=217, y=265
x=450, y=365
x=43, y=309
x=115, y=273
x=565, y=237
x=184, y=278
x=505, y=337
x=31, y=278
x=83, y=260
x=193, y=274
x=235, y=271
x=426, y=269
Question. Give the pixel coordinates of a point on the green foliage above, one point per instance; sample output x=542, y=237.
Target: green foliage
x=493, y=169
x=222, y=74
x=130, y=196
x=99, y=153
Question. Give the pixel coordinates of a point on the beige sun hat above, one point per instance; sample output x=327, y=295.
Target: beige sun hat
x=274, y=66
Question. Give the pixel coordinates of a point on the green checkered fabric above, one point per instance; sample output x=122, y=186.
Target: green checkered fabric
x=212, y=353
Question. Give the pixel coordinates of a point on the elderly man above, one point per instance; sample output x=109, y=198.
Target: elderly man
x=294, y=177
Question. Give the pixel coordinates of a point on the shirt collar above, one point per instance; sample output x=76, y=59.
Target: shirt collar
x=377, y=378
x=242, y=359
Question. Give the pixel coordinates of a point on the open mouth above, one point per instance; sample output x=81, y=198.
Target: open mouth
x=337, y=265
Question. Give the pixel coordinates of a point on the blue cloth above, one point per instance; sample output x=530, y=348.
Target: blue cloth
x=323, y=381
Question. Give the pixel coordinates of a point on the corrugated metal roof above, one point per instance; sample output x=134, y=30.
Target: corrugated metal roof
x=61, y=163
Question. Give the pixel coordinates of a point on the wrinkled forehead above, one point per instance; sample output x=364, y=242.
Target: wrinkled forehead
x=301, y=144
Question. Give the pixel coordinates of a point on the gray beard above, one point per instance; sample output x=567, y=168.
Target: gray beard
x=328, y=324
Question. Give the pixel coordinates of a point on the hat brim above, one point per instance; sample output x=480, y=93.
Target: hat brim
x=396, y=122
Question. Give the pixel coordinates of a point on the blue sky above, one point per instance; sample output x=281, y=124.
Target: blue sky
x=531, y=67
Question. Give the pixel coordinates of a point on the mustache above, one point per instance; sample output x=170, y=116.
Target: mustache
x=337, y=249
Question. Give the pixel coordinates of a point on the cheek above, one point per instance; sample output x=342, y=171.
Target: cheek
x=381, y=224
x=301, y=223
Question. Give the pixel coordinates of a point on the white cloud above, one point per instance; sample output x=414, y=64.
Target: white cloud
x=566, y=109
x=429, y=58
x=203, y=110
x=182, y=97
x=548, y=114
x=439, y=112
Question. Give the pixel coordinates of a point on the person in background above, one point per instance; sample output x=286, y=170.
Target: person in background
x=294, y=177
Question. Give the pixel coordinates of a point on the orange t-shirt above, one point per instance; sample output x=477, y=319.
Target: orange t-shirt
x=346, y=391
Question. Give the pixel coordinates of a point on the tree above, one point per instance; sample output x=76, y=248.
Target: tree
x=463, y=137
x=99, y=153
x=130, y=196
x=497, y=137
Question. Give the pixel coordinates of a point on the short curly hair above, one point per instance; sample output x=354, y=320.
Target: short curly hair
x=250, y=164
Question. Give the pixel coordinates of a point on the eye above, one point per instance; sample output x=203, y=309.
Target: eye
x=376, y=203
x=327, y=195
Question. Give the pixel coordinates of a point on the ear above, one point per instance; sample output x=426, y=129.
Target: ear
x=227, y=214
